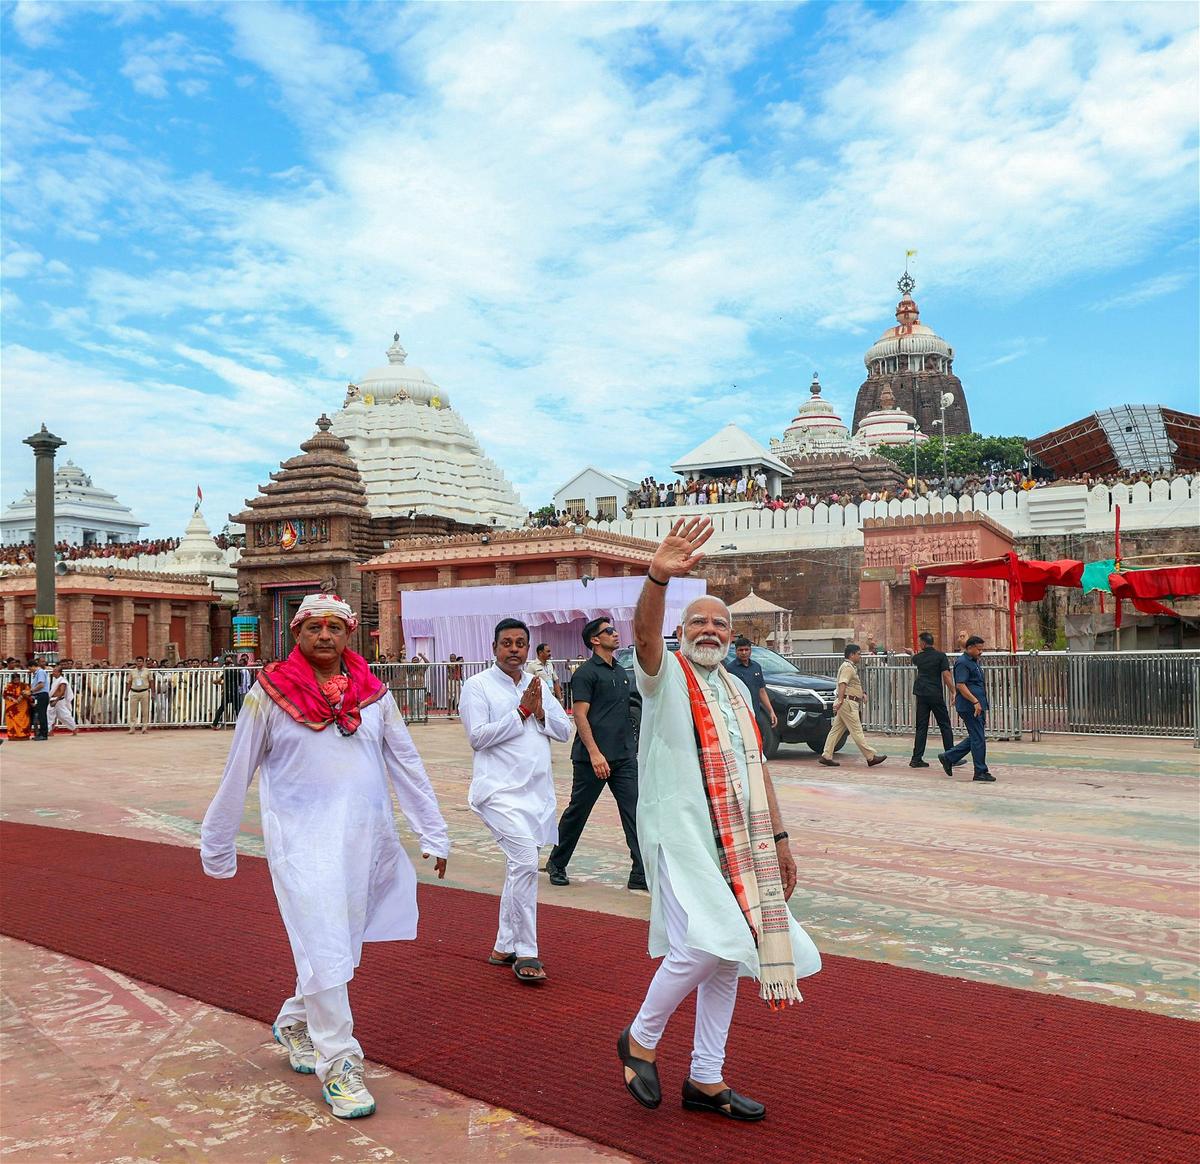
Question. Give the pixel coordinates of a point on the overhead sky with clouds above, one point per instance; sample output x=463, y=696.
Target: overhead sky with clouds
x=604, y=229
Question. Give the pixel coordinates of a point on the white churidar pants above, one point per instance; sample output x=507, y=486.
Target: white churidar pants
x=683, y=970
x=330, y=1024
x=517, y=933
x=62, y=715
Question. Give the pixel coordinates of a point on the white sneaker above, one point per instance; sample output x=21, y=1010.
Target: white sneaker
x=345, y=1091
x=302, y=1054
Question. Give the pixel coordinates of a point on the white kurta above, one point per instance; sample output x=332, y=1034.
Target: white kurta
x=512, y=786
x=339, y=871
x=673, y=817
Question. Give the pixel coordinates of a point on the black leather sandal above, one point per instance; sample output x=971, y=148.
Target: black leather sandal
x=727, y=1103
x=520, y=964
x=644, y=1086
x=507, y=960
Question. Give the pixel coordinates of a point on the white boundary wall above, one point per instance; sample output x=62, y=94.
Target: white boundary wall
x=1056, y=509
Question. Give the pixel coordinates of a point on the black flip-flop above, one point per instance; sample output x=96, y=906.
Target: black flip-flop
x=507, y=960
x=520, y=964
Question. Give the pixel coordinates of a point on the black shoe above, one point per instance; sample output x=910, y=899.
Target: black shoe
x=727, y=1103
x=946, y=767
x=917, y=764
x=984, y=777
x=638, y=884
x=557, y=876
x=878, y=758
x=644, y=1086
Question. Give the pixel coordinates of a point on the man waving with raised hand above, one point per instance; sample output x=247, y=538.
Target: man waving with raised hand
x=712, y=840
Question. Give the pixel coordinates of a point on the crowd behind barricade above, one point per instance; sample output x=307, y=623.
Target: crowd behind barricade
x=144, y=693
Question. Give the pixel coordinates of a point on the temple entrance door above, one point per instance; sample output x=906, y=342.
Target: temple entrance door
x=287, y=602
x=929, y=618
x=141, y=635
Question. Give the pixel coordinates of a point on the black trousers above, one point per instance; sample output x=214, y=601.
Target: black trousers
x=942, y=714
x=585, y=791
x=41, y=722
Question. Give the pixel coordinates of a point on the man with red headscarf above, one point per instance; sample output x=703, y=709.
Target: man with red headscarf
x=329, y=743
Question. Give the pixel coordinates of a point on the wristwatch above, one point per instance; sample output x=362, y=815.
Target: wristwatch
x=781, y=836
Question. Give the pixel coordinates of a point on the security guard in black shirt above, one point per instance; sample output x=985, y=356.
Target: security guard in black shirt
x=604, y=751
x=933, y=673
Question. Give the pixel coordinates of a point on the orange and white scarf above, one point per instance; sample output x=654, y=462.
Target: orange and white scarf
x=745, y=838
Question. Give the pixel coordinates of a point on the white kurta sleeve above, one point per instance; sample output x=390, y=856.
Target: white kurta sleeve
x=473, y=710
x=558, y=724
x=218, y=833
x=411, y=782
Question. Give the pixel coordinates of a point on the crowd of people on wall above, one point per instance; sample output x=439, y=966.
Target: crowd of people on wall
x=654, y=494
x=23, y=553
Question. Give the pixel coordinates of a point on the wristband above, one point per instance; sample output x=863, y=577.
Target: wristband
x=781, y=837
x=656, y=582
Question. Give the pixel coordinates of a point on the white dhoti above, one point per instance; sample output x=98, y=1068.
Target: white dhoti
x=62, y=714
x=683, y=970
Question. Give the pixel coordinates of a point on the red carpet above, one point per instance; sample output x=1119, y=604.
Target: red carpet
x=879, y=1064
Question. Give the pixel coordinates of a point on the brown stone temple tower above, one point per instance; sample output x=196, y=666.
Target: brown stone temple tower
x=918, y=366
x=305, y=533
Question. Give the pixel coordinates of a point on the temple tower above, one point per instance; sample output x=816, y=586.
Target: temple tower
x=918, y=366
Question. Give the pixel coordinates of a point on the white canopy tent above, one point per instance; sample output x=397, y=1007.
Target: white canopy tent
x=460, y=620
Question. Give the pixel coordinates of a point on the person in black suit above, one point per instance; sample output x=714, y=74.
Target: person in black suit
x=604, y=751
x=933, y=673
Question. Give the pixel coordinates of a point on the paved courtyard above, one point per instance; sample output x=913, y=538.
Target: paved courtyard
x=1075, y=874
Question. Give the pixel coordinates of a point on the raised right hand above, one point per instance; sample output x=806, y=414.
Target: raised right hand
x=677, y=554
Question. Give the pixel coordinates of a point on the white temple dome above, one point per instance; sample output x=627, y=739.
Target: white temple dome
x=815, y=417
x=398, y=379
x=889, y=425
x=416, y=455
x=909, y=337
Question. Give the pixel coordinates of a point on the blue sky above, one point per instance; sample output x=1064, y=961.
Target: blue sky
x=605, y=230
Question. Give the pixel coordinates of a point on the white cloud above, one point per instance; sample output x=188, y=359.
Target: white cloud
x=149, y=63
x=555, y=205
x=1147, y=289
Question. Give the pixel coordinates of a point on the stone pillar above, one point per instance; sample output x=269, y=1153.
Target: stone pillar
x=388, y=601
x=14, y=629
x=78, y=618
x=160, y=627
x=198, y=637
x=565, y=570
x=45, y=445
x=447, y=576
x=120, y=632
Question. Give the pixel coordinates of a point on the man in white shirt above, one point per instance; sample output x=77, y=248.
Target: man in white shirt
x=712, y=842
x=510, y=718
x=330, y=748
x=39, y=690
x=62, y=702
x=542, y=666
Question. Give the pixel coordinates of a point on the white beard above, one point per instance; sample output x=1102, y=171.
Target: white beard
x=703, y=656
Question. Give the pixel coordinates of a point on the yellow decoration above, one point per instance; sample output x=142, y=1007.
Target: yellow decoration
x=435, y=402
x=368, y=399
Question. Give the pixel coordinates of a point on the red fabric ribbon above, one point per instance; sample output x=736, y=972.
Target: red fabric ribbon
x=292, y=685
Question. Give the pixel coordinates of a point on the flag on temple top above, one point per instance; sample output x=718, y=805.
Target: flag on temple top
x=199, y=498
x=910, y=254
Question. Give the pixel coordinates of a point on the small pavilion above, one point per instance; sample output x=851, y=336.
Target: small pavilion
x=752, y=607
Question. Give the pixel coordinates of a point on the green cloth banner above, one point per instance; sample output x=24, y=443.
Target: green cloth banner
x=1095, y=575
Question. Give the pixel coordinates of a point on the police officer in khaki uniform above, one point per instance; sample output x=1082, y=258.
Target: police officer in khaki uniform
x=846, y=717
